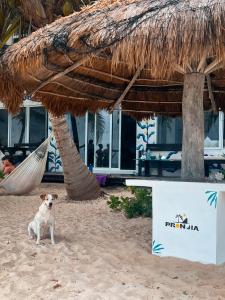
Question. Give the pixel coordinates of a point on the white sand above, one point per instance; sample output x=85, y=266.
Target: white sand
x=99, y=255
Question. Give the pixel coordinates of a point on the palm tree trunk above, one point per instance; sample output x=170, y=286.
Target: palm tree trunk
x=80, y=183
x=193, y=127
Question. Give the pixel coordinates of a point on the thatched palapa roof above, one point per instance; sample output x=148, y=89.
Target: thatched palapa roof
x=134, y=53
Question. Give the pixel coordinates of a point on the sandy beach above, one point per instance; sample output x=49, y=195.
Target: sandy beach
x=98, y=254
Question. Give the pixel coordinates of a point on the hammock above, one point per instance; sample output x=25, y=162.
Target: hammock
x=1, y=156
x=29, y=173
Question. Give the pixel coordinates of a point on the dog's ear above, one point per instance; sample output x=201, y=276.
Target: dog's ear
x=42, y=196
x=55, y=196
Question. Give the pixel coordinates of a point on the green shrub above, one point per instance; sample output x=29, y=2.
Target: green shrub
x=131, y=207
x=114, y=203
x=144, y=197
x=138, y=205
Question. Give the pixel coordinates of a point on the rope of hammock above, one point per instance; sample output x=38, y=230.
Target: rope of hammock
x=1, y=156
x=29, y=173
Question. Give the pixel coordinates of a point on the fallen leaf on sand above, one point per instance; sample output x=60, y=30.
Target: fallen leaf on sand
x=57, y=285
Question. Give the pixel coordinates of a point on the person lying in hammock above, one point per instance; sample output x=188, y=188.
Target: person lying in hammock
x=8, y=165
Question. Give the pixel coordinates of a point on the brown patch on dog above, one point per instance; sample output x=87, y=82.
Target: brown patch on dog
x=55, y=196
x=43, y=196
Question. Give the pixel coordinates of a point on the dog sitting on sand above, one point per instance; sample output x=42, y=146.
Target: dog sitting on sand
x=43, y=219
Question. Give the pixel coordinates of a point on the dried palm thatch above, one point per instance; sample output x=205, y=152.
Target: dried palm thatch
x=134, y=53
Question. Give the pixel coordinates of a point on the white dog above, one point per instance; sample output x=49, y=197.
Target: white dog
x=43, y=219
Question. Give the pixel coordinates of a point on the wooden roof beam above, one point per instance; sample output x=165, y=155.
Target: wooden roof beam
x=136, y=75
x=82, y=93
x=117, y=89
x=57, y=68
x=105, y=74
x=215, y=65
x=201, y=65
x=211, y=96
x=180, y=69
x=34, y=78
x=95, y=98
x=78, y=63
x=152, y=102
x=151, y=112
x=75, y=98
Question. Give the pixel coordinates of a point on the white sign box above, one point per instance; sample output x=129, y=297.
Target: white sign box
x=188, y=219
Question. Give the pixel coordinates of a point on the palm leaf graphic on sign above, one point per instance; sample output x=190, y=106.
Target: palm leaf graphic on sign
x=212, y=198
x=156, y=248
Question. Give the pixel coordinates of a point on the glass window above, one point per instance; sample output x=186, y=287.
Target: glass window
x=18, y=128
x=4, y=127
x=38, y=125
x=169, y=130
x=78, y=127
x=90, y=139
x=223, y=130
x=211, y=130
x=102, y=139
x=115, y=138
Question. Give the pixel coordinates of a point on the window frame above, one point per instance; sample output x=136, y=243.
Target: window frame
x=220, y=146
x=27, y=105
x=110, y=168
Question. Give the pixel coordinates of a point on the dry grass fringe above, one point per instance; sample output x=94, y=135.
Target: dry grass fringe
x=159, y=34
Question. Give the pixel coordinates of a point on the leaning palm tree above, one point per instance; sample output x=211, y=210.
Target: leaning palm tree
x=80, y=183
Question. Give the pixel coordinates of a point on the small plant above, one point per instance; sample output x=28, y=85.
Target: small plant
x=114, y=203
x=1, y=175
x=131, y=207
x=144, y=196
x=138, y=205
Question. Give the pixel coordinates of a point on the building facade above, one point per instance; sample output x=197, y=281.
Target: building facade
x=109, y=142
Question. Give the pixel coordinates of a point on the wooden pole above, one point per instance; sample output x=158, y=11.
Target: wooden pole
x=60, y=74
x=193, y=127
x=211, y=97
x=136, y=75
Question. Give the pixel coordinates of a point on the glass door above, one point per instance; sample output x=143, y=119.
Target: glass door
x=18, y=128
x=4, y=127
x=103, y=140
x=90, y=133
x=115, y=149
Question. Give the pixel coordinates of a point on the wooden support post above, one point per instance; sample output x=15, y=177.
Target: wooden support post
x=193, y=127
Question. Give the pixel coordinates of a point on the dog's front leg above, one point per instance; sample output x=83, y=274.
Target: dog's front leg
x=52, y=234
x=30, y=231
x=38, y=234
